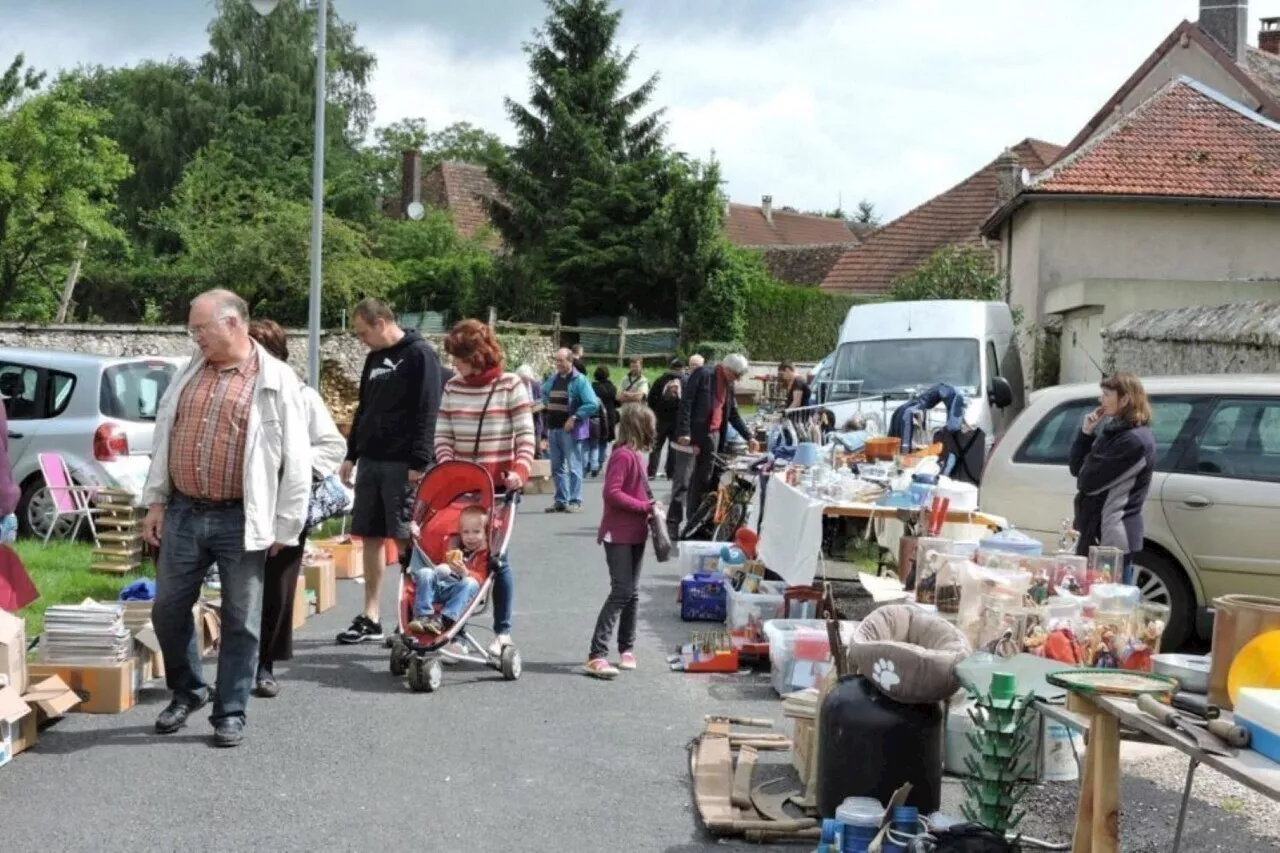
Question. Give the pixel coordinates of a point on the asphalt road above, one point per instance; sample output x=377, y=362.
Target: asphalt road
x=347, y=759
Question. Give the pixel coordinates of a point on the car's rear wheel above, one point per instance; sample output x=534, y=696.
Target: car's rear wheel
x=1162, y=582
x=36, y=510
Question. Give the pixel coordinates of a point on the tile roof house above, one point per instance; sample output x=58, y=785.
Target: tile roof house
x=954, y=217
x=460, y=189
x=1175, y=204
x=798, y=248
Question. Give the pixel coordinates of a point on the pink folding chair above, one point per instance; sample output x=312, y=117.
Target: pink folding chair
x=68, y=498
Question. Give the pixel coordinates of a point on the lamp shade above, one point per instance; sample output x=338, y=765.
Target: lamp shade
x=264, y=7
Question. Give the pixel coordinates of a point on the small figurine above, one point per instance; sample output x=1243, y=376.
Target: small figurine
x=1034, y=642
x=1105, y=655
x=1040, y=588
x=1061, y=645
x=1070, y=584
x=1143, y=647
x=1004, y=645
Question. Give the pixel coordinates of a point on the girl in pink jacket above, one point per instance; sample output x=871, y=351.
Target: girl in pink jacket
x=624, y=530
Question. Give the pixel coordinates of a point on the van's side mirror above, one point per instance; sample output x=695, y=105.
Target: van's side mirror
x=1000, y=394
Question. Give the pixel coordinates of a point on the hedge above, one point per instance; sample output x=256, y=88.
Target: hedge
x=786, y=322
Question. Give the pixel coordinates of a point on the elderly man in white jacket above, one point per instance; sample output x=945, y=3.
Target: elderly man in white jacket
x=228, y=485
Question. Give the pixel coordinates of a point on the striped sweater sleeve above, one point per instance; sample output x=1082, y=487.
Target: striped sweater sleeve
x=523, y=437
x=444, y=426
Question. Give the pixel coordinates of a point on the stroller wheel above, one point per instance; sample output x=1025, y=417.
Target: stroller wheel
x=399, y=660
x=425, y=675
x=511, y=663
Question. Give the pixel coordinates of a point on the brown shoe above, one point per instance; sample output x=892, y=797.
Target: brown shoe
x=266, y=686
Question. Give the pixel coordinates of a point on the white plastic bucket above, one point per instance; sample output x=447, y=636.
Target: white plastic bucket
x=1059, y=747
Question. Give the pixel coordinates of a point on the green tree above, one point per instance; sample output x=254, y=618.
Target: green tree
x=58, y=178
x=435, y=268
x=683, y=241
x=952, y=272
x=587, y=171
x=866, y=214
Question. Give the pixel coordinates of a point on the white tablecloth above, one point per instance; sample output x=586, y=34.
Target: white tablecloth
x=791, y=532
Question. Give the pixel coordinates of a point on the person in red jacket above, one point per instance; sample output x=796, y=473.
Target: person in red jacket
x=624, y=530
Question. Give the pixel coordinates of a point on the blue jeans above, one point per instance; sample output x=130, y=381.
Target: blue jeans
x=453, y=594
x=566, y=466
x=193, y=537
x=597, y=452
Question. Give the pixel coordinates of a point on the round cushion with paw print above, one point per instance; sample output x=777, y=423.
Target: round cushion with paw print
x=909, y=654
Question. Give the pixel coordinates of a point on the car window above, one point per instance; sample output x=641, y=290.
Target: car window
x=132, y=391
x=1240, y=440
x=1049, y=443
x=19, y=384
x=59, y=394
x=993, y=363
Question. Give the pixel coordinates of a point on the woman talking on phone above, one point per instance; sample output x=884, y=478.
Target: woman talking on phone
x=1112, y=459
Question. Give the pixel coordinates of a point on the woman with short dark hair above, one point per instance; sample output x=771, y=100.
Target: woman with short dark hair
x=280, y=578
x=604, y=423
x=486, y=418
x=1112, y=459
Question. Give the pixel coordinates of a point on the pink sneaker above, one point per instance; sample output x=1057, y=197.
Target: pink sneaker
x=627, y=661
x=600, y=668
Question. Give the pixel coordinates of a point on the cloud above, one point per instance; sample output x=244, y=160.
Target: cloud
x=810, y=101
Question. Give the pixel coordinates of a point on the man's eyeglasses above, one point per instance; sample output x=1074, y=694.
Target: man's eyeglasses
x=198, y=330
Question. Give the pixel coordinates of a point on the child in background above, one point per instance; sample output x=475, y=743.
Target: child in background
x=454, y=583
x=624, y=530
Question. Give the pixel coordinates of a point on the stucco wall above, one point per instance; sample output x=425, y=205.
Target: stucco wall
x=341, y=348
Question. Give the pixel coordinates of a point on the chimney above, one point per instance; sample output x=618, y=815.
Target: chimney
x=1269, y=36
x=1008, y=176
x=1227, y=23
x=766, y=207
x=410, y=180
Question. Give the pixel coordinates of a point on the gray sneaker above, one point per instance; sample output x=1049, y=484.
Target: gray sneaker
x=574, y=508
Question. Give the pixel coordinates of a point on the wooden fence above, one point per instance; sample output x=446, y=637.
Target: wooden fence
x=555, y=330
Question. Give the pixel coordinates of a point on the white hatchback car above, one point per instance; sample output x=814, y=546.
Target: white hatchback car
x=97, y=411
x=1212, y=514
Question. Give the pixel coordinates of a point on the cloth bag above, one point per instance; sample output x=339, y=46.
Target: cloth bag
x=658, y=529
x=328, y=498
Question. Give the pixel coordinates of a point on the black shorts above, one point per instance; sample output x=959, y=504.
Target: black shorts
x=383, y=500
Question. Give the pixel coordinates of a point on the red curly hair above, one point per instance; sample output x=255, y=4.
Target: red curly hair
x=473, y=342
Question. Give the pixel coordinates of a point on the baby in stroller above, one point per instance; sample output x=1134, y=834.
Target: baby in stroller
x=453, y=584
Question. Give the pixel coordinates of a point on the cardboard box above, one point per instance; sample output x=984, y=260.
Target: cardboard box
x=13, y=651
x=208, y=619
x=540, y=468
x=48, y=700
x=106, y=689
x=348, y=557
x=150, y=658
x=300, y=606
x=322, y=579
x=12, y=712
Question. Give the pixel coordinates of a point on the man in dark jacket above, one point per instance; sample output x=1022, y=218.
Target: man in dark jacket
x=664, y=399
x=393, y=439
x=707, y=410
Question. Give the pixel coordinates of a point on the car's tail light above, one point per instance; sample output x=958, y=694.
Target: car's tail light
x=109, y=443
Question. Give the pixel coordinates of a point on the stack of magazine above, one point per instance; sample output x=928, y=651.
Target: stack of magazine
x=85, y=634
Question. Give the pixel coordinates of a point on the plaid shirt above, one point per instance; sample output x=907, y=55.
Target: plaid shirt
x=210, y=430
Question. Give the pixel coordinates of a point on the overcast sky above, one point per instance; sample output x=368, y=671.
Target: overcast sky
x=811, y=101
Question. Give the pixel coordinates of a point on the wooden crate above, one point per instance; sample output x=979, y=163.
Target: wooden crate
x=119, y=524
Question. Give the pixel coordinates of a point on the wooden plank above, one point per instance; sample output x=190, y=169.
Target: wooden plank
x=1104, y=744
x=115, y=568
x=124, y=538
x=116, y=552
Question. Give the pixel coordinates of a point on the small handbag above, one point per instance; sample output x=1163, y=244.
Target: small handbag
x=328, y=498
x=658, y=529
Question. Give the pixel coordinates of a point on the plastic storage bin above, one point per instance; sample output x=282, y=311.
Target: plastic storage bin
x=800, y=652
x=703, y=597
x=699, y=557
x=747, y=609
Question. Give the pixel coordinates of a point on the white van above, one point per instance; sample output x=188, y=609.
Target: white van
x=890, y=351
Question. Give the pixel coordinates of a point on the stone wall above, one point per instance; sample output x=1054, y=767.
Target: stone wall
x=337, y=349
x=1237, y=338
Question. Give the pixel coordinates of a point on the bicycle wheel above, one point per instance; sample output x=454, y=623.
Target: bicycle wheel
x=733, y=519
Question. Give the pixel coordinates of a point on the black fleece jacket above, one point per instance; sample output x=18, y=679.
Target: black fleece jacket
x=400, y=389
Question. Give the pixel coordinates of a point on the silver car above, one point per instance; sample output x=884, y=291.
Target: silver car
x=97, y=411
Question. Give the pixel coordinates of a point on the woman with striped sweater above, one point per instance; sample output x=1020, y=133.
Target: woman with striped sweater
x=486, y=417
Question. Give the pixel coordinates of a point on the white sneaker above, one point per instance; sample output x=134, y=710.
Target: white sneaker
x=500, y=642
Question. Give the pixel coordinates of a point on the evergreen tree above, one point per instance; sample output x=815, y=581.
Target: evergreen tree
x=588, y=171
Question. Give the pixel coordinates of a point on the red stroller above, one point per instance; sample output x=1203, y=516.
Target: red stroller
x=445, y=492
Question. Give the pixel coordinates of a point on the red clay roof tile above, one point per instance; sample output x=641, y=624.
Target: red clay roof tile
x=745, y=225
x=951, y=218
x=1185, y=140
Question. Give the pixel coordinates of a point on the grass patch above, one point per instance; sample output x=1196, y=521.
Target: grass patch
x=61, y=573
